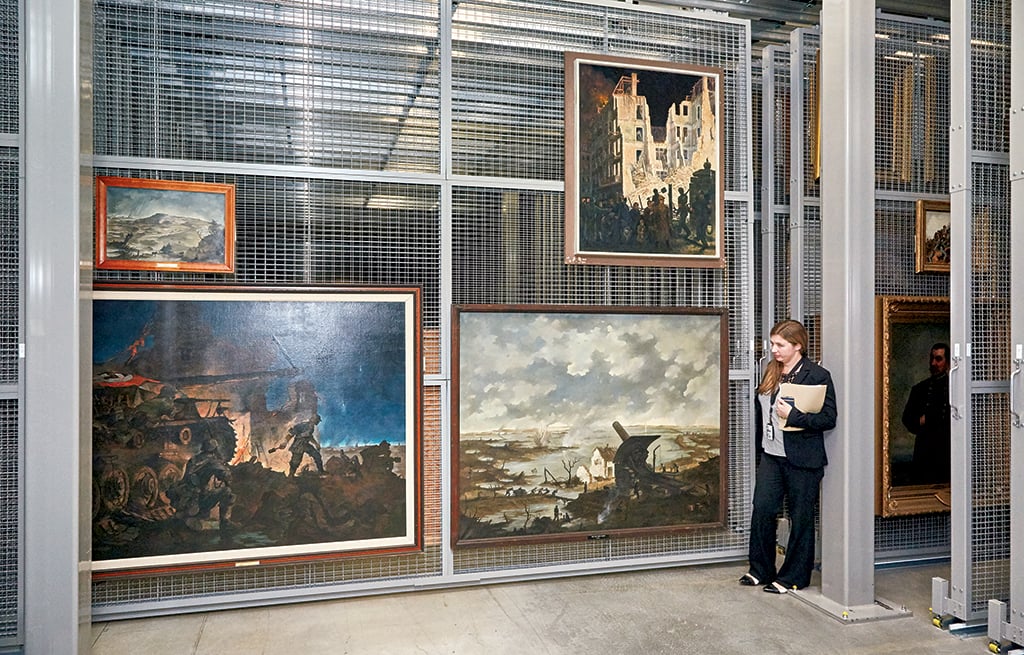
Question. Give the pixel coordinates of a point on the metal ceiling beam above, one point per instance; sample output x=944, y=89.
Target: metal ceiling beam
x=788, y=11
x=771, y=21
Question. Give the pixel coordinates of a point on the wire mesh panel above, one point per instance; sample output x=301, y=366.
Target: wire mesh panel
x=756, y=126
x=506, y=249
x=507, y=243
x=780, y=125
x=10, y=44
x=308, y=230
x=990, y=75
x=990, y=500
x=980, y=529
x=297, y=91
x=805, y=244
x=782, y=267
x=895, y=261
x=507, y=72
x=738, y=296
x=307, y=92
x=812, y=279
x=910, y=536
x=989, y=272
x=774, y=238
x=10, y=511
x=349, y=84
x=10, y=264
x=757, y=106
x=809, y=43
x=10, y=327
x=912, y=114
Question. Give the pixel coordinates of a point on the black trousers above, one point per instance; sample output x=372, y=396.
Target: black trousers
x=777, y=481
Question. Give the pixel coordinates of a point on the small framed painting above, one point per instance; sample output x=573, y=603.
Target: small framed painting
x=932, y=236
x=159, y=225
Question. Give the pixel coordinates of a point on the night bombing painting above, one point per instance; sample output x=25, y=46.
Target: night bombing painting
x=576, y=422
x=253, y=424
x=643, y=162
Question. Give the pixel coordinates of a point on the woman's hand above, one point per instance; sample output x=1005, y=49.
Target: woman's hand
x=782, y=408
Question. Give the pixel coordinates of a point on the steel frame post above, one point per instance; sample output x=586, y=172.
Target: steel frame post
x=56, y=569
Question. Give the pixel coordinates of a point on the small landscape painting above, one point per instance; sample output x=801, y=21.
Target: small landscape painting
x=161, y=225
x=584, y=422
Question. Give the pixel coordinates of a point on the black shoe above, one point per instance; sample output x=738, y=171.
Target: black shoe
x=749, y=581
x=776, y=588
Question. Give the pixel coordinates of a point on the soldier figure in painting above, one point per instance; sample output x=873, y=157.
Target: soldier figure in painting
x=303, y=442
x=378, y=458
x=206, y=484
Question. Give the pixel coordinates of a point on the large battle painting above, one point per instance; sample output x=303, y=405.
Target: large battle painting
x=250, y=425
x=578, y=422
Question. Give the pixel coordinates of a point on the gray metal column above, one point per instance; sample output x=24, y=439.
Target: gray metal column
x=797, y=120
x=847, y=199
x=1006, y=629
x=57, y=602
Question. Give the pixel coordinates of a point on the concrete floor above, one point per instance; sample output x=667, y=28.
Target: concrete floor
x=696, y=609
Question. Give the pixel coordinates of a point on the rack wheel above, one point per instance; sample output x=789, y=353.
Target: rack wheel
x=943, y=621
x=1000, y=647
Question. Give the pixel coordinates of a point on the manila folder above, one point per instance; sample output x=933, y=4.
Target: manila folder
x=808, y=398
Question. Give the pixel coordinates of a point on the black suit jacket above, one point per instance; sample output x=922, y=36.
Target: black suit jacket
x=805, y=448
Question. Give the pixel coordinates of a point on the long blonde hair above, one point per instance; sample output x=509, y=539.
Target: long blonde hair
x=795, y=333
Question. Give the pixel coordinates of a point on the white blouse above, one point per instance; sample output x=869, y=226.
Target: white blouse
x=772, y=435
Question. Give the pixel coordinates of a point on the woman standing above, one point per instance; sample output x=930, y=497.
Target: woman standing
x=791, y=463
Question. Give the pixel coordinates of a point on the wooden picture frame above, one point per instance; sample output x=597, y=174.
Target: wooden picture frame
x=160, y=225
x=643, y=162
x=584, y=422
x=247, y=426
x=906, y=328
x=932, y=236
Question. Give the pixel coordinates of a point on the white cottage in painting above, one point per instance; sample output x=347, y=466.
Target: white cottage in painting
x=600, y=467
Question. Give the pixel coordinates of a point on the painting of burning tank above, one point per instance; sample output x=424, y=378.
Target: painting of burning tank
x=252, y=424
x=573, y=421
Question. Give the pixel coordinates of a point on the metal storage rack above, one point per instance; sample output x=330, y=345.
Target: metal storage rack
x=412, y=142
x=980, y=288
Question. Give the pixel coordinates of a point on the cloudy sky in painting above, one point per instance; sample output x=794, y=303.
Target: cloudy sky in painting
x=142, y=203
x=538, y=370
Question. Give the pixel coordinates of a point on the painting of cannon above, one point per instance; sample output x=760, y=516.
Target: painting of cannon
x=575, y=422
x=253, y=425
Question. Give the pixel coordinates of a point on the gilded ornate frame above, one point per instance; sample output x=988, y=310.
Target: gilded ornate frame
x=902, y=325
